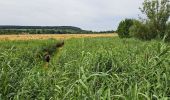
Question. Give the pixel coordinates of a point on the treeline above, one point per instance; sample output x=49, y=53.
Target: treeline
x=46, y=30
x=156, y=25
x=38, y=27
x=40, y=30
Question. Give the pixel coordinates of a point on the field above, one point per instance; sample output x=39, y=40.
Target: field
x=55, y=36
x=98, y=68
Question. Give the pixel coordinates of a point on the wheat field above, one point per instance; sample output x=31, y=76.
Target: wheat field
x=54, y=36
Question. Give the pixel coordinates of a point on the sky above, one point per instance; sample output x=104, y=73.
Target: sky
x=96, y=15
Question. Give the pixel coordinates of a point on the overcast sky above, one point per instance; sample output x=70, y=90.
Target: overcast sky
x=86, y=14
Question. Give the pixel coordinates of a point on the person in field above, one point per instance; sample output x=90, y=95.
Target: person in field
x=47, y=56
x=47, y=59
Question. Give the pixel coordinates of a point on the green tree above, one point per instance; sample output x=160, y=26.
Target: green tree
x=123, y=28
x=157, y=13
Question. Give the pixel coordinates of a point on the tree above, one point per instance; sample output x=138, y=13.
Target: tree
x=123, y=28
x=157, y=13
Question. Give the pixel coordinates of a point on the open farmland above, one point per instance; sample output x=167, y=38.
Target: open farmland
x=85, y=68
x=55, y=36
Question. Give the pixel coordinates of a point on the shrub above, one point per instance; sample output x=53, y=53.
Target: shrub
x=142, y=30
x=123, y=28
x=168, y=32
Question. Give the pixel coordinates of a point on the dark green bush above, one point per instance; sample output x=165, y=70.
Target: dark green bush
x=123, y=28
x=168, y=32
x=142, y=31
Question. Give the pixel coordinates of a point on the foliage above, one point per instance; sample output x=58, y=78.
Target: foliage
x=168, y=31
x=123, y=28
x=17, y=60
x=87, y=68
x=46, y=30
x=155, y=25
x=142, y=31
x=40, y=30
x=158, y=13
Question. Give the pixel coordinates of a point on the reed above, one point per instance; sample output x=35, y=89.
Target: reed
x=86, y=68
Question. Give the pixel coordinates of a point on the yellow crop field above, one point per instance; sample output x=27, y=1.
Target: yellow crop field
x=55, y=36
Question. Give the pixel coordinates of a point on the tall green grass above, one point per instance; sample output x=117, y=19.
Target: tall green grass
x=87, y=68
x=17, y=60
x=117, y=68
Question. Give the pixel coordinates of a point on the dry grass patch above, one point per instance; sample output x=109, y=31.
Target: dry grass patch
x=55, y=36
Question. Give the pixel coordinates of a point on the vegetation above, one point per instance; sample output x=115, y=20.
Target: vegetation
x=154, y=26
x=40, y=30
x=90, y=68
x=158, y=13
x=18, y=59
x=123, y=28
x=168, y=32
x=45, y=30
x=142, y=31
x=87, y=68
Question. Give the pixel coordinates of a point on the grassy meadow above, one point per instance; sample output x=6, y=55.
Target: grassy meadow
x=85, y=69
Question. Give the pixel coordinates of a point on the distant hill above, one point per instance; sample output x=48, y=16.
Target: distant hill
x=13, y=29
x=7, y=29
x=38, y=27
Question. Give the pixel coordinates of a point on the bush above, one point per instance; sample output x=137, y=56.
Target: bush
x=142, y=30
x=123, y=28
x=168, y=32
